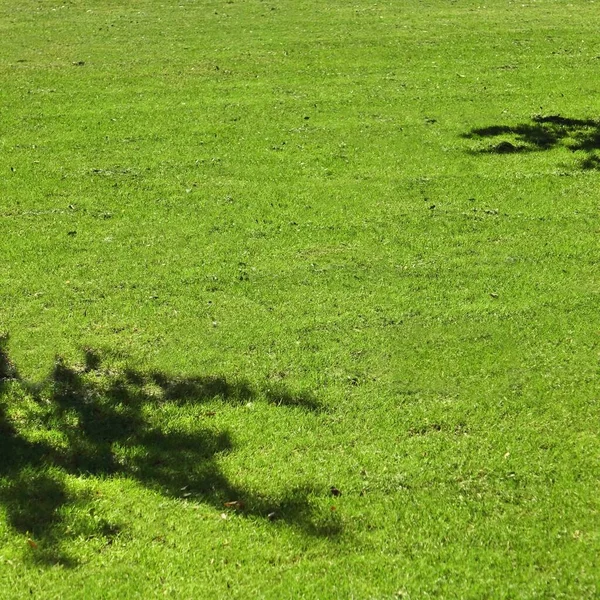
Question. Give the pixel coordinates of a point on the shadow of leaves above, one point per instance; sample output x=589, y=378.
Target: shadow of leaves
x=90, y=421
x=541, y=134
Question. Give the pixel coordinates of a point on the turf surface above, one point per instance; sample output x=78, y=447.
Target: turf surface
x=299, y=299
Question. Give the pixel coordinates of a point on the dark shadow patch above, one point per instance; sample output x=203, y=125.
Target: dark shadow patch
x=92, y=421
x=591, y=162
x=280, y=396
x=505, y=147
x=196, y=389
x=294, y=507
x=7, y=368
x=541, y=134
x=565, y=121
x=92, y=360
x=32, y=498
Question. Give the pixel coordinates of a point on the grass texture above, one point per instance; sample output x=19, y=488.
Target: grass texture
x=299, y=299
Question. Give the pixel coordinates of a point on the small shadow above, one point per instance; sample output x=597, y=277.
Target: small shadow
x=565, y=121
x=33, y=498
x=591, y=162
x=541, y=134
x=7, y=368
x=91, y=421
x=280, y=396
x=194, y=389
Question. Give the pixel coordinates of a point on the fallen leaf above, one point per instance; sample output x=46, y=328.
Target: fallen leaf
x=32, y=543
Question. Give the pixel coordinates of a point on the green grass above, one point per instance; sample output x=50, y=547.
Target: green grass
x=284, y=247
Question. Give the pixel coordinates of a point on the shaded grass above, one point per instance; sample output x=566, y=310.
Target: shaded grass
x=89, y=421
x=545, y=133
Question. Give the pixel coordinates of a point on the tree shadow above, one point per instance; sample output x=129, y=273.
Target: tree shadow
x=90, y=421
x=543, y=133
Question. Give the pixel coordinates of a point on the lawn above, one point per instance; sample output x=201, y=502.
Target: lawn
x=299, y=299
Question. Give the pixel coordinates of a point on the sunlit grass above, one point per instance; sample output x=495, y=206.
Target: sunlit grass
x=255, y=254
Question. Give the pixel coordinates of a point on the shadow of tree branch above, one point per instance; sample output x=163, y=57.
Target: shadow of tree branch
x=541, y=134
x=96, y=423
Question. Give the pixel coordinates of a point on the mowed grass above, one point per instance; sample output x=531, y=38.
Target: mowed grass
x=299, y=299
